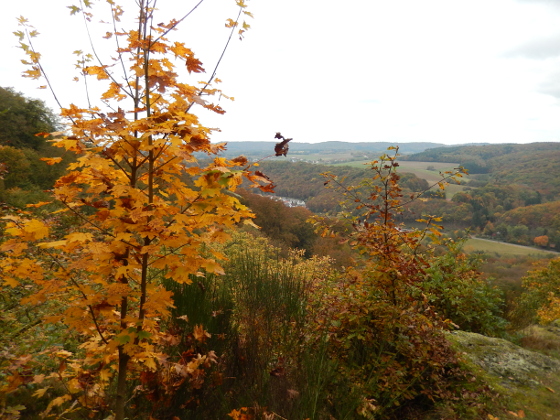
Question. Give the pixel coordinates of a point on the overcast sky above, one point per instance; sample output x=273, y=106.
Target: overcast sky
x=445, y=71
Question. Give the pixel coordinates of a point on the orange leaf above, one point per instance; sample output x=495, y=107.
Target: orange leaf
x=34, y=229
x=199, y=333
x=39, y=204
x=42, y=134
x=98, y=71
x=52, y=244
x=51, y=161
x=194, y=65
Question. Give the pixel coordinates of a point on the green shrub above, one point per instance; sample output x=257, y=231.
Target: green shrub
x=456, y=290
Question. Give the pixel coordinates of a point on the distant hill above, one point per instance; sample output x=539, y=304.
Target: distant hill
x=534, y=165
x=482, y=158
x=304, y=181
x=313, y=150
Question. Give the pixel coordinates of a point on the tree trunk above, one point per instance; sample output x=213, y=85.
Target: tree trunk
x=120, y=401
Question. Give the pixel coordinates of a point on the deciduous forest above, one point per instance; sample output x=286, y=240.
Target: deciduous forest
x=147, y=274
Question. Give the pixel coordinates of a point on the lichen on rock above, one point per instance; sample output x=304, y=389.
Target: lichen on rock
x=498, y=357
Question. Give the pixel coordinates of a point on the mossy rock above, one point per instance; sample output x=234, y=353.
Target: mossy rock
x=505, y=360
x=527, y=381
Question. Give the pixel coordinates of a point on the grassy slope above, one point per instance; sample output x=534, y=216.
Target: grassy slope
x=420, y=169
x=532, y=164
x=502, y=248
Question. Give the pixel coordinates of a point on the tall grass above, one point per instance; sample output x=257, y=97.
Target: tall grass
x=257, y=314
x=296, y=340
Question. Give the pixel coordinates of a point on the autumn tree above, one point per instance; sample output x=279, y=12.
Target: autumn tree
x=285, y=226
x=143, y=210
x=540, y=301
x=389, y=338
x=457, y=290
x=541, y=240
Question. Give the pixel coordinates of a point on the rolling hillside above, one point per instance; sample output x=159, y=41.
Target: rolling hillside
x=534, y=165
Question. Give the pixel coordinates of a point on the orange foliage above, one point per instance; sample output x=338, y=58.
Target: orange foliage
x=146, y=209
x=541, y=240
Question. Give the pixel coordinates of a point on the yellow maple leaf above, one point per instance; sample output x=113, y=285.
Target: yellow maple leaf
x=37, y=379
x=105, y=375
x=63, y=353
x=10, y=281
x=99, y=71
x=40, y=392
x=60, y=400
x=79, y=237
x=200, y=334
x=179, y=49
x=33, y=229
x=212, y=266
x=181, y=275
x=33, y=74
x=74, y=386
x=150, y=363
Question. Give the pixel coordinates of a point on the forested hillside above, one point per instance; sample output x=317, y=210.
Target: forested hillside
x=304, y=181
x=532, y=165
x=23, y=175
x=22, y=118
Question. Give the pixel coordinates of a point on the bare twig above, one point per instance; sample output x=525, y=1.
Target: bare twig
x=220, y=59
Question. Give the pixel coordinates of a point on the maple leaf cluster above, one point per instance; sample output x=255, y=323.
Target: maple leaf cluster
x=144, y=209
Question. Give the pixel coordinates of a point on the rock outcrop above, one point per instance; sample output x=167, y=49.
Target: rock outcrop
x=511, y=364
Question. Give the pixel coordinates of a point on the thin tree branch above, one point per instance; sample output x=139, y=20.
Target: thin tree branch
x=220, y=59
x=176, y=23
x=94, y=50
x=120, y=57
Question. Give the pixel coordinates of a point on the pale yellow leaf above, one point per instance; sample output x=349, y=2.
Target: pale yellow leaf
x=150, y=363
x=40, y=392
x=60, y=400
x=37, y=379
x=105, y=375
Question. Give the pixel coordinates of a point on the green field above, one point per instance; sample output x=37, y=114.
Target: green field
x=495, y=248
x=420, y=169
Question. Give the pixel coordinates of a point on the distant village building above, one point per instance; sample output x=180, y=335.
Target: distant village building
x=288, y=201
